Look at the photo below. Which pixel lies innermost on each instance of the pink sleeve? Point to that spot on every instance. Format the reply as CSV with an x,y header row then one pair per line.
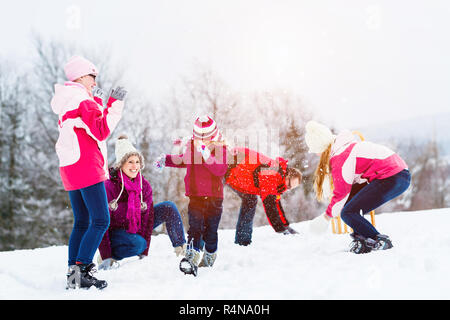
x,y
175,161
343,172
92,116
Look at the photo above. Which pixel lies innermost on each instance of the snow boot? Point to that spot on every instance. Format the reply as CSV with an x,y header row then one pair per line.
x,y
208,259
189,264
79,276
359,244
381,242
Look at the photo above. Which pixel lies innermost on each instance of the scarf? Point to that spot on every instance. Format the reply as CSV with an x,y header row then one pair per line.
x,y
134,190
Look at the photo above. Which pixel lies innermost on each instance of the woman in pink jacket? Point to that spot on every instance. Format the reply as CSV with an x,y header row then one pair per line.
x,y
362,176
83,127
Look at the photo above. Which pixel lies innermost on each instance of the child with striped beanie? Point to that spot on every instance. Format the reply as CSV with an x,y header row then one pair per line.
x,y
205,161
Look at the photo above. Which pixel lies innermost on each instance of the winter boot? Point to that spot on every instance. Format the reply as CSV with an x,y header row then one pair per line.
x,y
208,259
381,242
80,276
189,264
359,244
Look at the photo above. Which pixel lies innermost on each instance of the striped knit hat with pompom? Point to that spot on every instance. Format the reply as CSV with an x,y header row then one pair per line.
x,y
206,129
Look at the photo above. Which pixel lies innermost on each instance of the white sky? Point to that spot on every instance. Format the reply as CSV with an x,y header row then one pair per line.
x,y
355,62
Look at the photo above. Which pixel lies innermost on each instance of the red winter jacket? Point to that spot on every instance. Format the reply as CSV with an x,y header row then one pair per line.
x,y
254,173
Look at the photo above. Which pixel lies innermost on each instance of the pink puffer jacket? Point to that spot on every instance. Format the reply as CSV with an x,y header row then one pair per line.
x,y
353,161
83,128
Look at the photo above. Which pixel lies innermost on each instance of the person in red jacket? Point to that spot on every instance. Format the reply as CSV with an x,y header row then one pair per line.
x,y
253,174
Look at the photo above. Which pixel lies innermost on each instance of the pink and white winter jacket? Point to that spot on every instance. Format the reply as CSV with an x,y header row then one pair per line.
x,y
353,161
83,128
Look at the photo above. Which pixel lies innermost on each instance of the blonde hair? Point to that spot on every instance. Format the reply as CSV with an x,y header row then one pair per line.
x,y
322,172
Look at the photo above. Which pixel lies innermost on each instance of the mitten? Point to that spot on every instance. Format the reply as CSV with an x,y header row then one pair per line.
x,y
98,92
119,93
160,162
180,250
108,264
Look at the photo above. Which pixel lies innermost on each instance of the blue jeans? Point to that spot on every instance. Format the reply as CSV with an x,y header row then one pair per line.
x,y
167,212
244,225
371,197
91,220
124,244
204,218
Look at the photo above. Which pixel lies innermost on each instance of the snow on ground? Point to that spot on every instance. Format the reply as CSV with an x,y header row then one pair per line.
x,y
274,267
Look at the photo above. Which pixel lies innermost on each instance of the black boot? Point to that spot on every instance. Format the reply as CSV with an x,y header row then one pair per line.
x,y
80,276
381,242
359,244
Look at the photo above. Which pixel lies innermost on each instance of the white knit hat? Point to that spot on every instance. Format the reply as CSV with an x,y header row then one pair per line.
x,y
124,150
318,137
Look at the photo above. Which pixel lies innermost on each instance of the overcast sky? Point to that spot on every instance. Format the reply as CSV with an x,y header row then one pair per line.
x,y
354,62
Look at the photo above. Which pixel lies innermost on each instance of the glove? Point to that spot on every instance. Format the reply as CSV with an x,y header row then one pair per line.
x,y
119,93
319,225
98,92
180,250
204,150
108,264
291,230
160,162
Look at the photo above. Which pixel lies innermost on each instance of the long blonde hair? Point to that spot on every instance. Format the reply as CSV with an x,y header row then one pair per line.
x,y
322,173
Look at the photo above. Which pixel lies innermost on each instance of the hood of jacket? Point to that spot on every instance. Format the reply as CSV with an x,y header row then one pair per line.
x,y
68,97
342,141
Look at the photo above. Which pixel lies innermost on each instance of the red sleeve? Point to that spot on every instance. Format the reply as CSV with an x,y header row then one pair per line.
x,y
99,101
92,116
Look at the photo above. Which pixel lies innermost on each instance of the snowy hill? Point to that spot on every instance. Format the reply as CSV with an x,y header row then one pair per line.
x,y
274,267
420,129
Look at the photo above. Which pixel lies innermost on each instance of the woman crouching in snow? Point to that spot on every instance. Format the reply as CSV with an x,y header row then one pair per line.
x,y
364,175
81,148
133,216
